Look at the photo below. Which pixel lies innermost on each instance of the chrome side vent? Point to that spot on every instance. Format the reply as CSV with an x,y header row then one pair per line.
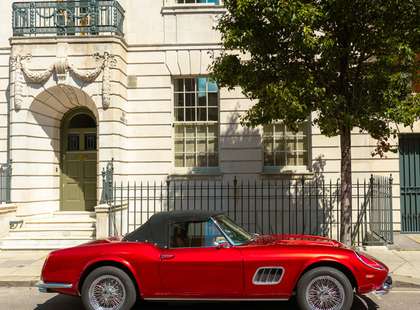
x,y
268,276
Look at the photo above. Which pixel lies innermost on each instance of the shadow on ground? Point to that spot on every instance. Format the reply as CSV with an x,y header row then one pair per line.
x,y
74,303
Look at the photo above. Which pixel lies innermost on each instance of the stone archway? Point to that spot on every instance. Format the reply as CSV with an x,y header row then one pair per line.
x,y
37,152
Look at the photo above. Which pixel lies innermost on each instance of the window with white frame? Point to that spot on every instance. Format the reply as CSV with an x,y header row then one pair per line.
x,y
196,113
284,147
216,2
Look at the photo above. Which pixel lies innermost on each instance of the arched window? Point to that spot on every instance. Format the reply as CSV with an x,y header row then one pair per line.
x,y
82,121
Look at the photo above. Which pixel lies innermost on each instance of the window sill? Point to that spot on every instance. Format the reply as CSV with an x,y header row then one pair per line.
x,y
286,170
180,173
193,9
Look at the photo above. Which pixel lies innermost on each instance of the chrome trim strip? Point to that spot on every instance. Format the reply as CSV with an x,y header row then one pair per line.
x,y
255,282
386,287
47,287
215,299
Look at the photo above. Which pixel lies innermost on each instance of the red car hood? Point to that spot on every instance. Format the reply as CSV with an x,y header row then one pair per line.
x,y
301,240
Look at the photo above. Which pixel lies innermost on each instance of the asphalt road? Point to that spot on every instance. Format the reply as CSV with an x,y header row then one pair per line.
x,y
29,298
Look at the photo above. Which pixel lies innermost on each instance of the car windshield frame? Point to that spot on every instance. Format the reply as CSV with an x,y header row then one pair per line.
x,y
235,234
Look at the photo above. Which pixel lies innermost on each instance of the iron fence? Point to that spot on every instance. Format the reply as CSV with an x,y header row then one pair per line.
x,y
265,206
5,175
80,17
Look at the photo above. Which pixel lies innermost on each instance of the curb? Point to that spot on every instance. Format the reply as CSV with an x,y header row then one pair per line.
x,y
32,282
19,283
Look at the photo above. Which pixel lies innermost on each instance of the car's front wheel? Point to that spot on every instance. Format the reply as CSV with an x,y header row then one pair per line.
x,y
108,288
324,288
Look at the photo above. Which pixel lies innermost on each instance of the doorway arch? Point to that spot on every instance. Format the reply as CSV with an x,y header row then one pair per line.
x,y
79,158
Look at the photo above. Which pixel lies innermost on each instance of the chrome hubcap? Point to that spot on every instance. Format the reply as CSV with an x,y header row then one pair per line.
x,y
107,293
325,293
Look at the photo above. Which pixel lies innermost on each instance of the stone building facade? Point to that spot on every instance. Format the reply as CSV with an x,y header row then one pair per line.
x,y
129,82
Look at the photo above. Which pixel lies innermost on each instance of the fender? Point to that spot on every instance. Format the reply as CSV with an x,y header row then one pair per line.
x,y
327,259
115,259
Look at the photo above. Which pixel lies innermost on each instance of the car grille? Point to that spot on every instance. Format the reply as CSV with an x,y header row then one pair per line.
x,y
268,276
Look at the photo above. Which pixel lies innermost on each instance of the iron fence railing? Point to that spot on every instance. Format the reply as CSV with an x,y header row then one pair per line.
x,y
265,206
5,175
82,17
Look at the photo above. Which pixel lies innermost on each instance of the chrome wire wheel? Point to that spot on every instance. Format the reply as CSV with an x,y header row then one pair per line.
x,y
325,293
107,292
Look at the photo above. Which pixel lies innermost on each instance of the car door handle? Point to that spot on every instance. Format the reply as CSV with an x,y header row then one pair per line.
x,y
167,256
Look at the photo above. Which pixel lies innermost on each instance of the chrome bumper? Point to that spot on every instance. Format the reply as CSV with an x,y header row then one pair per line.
x,y
386,287
50,287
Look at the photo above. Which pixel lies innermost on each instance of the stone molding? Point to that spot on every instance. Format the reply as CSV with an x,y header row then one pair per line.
x,y
62,67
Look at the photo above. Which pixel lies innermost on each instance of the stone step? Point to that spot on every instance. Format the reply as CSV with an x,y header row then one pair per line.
x,y
73,214
52,223
53,232
41,243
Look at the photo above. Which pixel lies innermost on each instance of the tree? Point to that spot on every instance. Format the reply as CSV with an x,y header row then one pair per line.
x,y
349,63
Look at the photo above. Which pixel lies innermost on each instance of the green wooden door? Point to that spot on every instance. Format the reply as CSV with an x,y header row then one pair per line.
x,y
79,164
410,183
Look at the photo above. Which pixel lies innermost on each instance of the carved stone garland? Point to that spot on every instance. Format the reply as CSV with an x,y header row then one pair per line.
x,y
61,68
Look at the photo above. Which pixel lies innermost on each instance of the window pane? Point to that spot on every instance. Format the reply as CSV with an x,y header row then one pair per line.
x,y
201,146
213,99
179,115
179,85
202,99
73,143
201,131
179,146
213,160
212,131
212,87
90,142
82,121
179,160
291,159
202,83
190,146
212,146
179,131
189,85
213,114
190,115
190,131
190,100
190,160
179,100
280,159
202,160
202,114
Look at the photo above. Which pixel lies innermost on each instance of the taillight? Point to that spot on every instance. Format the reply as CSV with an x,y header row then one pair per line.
x,y
365,259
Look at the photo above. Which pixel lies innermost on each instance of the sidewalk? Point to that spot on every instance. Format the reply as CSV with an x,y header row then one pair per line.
x,y
23,268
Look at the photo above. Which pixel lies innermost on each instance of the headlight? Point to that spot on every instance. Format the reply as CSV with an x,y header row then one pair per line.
x,y
368,261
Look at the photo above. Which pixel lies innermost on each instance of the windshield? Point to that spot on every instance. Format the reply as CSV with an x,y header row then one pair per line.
x,y
236,234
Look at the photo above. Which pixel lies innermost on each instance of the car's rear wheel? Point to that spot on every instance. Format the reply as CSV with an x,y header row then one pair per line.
x,y
324,288
108,288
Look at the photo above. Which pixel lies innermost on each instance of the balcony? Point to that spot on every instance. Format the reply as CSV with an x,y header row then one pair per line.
x,y
76,18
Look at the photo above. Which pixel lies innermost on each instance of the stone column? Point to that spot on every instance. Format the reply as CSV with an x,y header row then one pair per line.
x,y
102,221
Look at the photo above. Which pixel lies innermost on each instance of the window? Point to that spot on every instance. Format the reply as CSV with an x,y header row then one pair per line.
x,y
284,147
196,105
217,2
195,235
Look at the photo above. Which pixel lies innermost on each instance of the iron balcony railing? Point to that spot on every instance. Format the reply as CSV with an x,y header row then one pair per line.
x,y
83,17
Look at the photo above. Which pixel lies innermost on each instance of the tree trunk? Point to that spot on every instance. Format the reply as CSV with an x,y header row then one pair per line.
x,y
346,187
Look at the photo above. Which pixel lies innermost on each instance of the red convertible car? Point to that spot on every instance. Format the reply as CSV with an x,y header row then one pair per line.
x,y
206,256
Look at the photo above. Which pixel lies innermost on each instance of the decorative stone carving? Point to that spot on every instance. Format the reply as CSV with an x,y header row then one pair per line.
x,y
61,68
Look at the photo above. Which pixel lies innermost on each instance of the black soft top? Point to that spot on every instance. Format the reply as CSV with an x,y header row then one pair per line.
x,y
156,229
